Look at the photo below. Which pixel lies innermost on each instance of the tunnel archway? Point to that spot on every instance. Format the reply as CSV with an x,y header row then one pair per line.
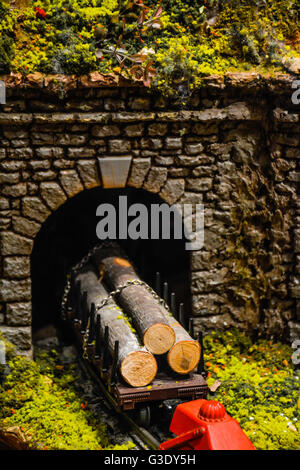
x,y
70,232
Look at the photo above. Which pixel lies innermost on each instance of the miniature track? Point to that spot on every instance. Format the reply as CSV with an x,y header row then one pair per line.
x,y
143,438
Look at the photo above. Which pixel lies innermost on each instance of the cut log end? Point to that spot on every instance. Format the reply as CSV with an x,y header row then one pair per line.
x,y
139,368
159,338
184,356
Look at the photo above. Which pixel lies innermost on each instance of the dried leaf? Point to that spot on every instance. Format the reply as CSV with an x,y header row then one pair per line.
x,y
141,18
215,386
148,74
147,50
158,12
139,58
137,72
157,24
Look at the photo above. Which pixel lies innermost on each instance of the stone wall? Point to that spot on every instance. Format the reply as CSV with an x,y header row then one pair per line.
x,y
236,149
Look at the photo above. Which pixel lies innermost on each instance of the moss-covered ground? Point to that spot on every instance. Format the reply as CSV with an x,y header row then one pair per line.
x,y
259,387
40,397
167,43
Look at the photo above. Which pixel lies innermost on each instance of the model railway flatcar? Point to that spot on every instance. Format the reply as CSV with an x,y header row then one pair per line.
x,y
93,314
135,375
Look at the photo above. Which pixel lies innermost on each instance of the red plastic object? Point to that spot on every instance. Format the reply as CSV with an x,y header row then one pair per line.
x,y
205,425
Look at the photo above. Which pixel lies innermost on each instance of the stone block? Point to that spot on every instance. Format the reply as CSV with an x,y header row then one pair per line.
x,y
20,153
43,175
14,291
140,104
18,313
34,208
20,336
132,117
70,182
157,129
156,178
9,178
70,139
25,227
106,131
16,267
138,172
172,190
151,143
199,184
49,152
173,143
119,146
52,194
14,244
194,148
4,203
81,152
134,130
88,171
196,160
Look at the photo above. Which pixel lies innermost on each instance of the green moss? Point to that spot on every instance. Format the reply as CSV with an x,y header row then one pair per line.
x,y
191,38
260,387
40,397
7,37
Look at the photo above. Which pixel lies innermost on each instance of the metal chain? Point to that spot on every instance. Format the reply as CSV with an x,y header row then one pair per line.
x,y
77,268
114,293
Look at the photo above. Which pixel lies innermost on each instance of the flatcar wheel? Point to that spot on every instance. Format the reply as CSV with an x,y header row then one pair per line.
x,y
144,416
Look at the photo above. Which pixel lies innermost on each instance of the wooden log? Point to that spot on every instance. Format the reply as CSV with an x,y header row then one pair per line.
x,y
147,314
137,366
184,355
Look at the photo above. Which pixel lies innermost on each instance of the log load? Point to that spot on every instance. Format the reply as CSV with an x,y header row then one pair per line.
x,y
150,317
147,314
184,355
137,366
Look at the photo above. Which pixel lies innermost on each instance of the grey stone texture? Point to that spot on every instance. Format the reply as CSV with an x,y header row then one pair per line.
x,y
236,155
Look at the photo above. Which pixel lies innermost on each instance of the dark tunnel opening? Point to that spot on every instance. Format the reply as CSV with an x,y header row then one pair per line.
x,y
69,233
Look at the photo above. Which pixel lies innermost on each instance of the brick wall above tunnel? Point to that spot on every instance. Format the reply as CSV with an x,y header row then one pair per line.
x,y
236,149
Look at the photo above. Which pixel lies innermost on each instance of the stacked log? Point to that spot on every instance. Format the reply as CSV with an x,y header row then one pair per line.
x,y
160,332
149,317
137,366
184,355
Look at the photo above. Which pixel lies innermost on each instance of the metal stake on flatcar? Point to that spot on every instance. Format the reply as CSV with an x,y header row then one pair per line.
x,y
181,314
165,292
84,308
92,325
158,283
105,349
173,305
114,367
78,313
98,338
201,368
